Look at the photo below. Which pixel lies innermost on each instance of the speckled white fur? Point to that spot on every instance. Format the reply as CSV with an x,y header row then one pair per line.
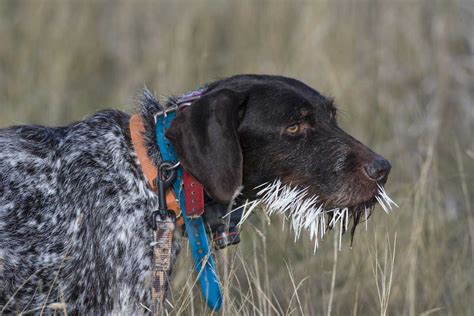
x,y
73,217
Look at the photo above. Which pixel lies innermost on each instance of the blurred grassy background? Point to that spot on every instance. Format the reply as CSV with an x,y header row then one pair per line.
x,y
402,73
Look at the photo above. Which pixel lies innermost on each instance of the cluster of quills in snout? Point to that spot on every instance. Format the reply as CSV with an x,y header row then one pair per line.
x,y
305,212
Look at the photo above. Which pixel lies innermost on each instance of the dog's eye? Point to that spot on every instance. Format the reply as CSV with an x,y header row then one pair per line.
x,y
293,129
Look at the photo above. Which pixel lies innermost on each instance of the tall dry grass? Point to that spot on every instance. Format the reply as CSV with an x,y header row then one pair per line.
x,y
402,73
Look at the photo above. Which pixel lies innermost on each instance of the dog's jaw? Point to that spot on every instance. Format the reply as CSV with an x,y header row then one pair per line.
x,y
306,212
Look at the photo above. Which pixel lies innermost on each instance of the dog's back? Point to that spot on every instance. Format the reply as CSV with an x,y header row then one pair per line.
x,y
55,244
27,194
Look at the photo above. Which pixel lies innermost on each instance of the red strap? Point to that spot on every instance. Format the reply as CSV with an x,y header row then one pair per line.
x,y
193,196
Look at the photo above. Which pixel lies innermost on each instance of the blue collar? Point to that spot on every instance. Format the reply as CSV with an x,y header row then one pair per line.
x,y
195,228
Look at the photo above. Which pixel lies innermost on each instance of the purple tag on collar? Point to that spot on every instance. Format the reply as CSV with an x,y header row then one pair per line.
x,y
190,96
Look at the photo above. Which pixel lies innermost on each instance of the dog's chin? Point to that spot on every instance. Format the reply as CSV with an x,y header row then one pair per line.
x,y
364,198
362,211
362,206
307,210
356,213
352,206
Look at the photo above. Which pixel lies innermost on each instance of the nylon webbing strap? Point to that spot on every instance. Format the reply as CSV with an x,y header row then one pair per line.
x,y
162,246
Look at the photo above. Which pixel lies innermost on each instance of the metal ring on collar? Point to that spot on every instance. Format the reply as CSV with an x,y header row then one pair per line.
x,y
168,166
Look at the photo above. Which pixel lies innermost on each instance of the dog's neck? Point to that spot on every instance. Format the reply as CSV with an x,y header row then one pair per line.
x,y
148,106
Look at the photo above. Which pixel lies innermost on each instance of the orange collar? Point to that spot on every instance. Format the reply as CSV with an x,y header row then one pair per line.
x,y
150,171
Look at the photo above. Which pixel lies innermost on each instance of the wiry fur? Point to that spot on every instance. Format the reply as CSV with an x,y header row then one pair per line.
x,y
73,207
148,106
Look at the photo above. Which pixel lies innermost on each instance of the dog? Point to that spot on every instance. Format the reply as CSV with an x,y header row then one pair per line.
x,y
74,201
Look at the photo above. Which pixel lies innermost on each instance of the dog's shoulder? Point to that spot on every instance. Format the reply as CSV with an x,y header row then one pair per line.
x,y
37,162
28,152
105,125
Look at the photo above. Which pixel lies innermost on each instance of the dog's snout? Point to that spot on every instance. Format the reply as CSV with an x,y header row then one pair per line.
x,y
378,168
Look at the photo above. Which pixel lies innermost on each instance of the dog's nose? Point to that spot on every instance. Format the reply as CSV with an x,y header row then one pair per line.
x,y
378,169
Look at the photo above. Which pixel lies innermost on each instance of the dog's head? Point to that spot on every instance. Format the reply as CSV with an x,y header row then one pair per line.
x,y
252,129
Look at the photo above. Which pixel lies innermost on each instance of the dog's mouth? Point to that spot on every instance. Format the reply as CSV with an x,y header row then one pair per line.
x,y
306,212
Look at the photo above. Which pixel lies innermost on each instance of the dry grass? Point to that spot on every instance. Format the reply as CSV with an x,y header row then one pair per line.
x,y
402,74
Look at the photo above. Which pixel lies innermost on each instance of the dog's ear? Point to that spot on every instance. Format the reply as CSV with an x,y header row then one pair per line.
x,y
205,138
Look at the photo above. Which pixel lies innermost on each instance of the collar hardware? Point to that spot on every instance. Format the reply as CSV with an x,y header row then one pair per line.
x,y
181,200
195,227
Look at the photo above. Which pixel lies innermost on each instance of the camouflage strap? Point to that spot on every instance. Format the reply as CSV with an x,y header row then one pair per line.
x,y
163,240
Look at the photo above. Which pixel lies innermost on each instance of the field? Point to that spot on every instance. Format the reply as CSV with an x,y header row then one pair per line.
x,y
401,72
